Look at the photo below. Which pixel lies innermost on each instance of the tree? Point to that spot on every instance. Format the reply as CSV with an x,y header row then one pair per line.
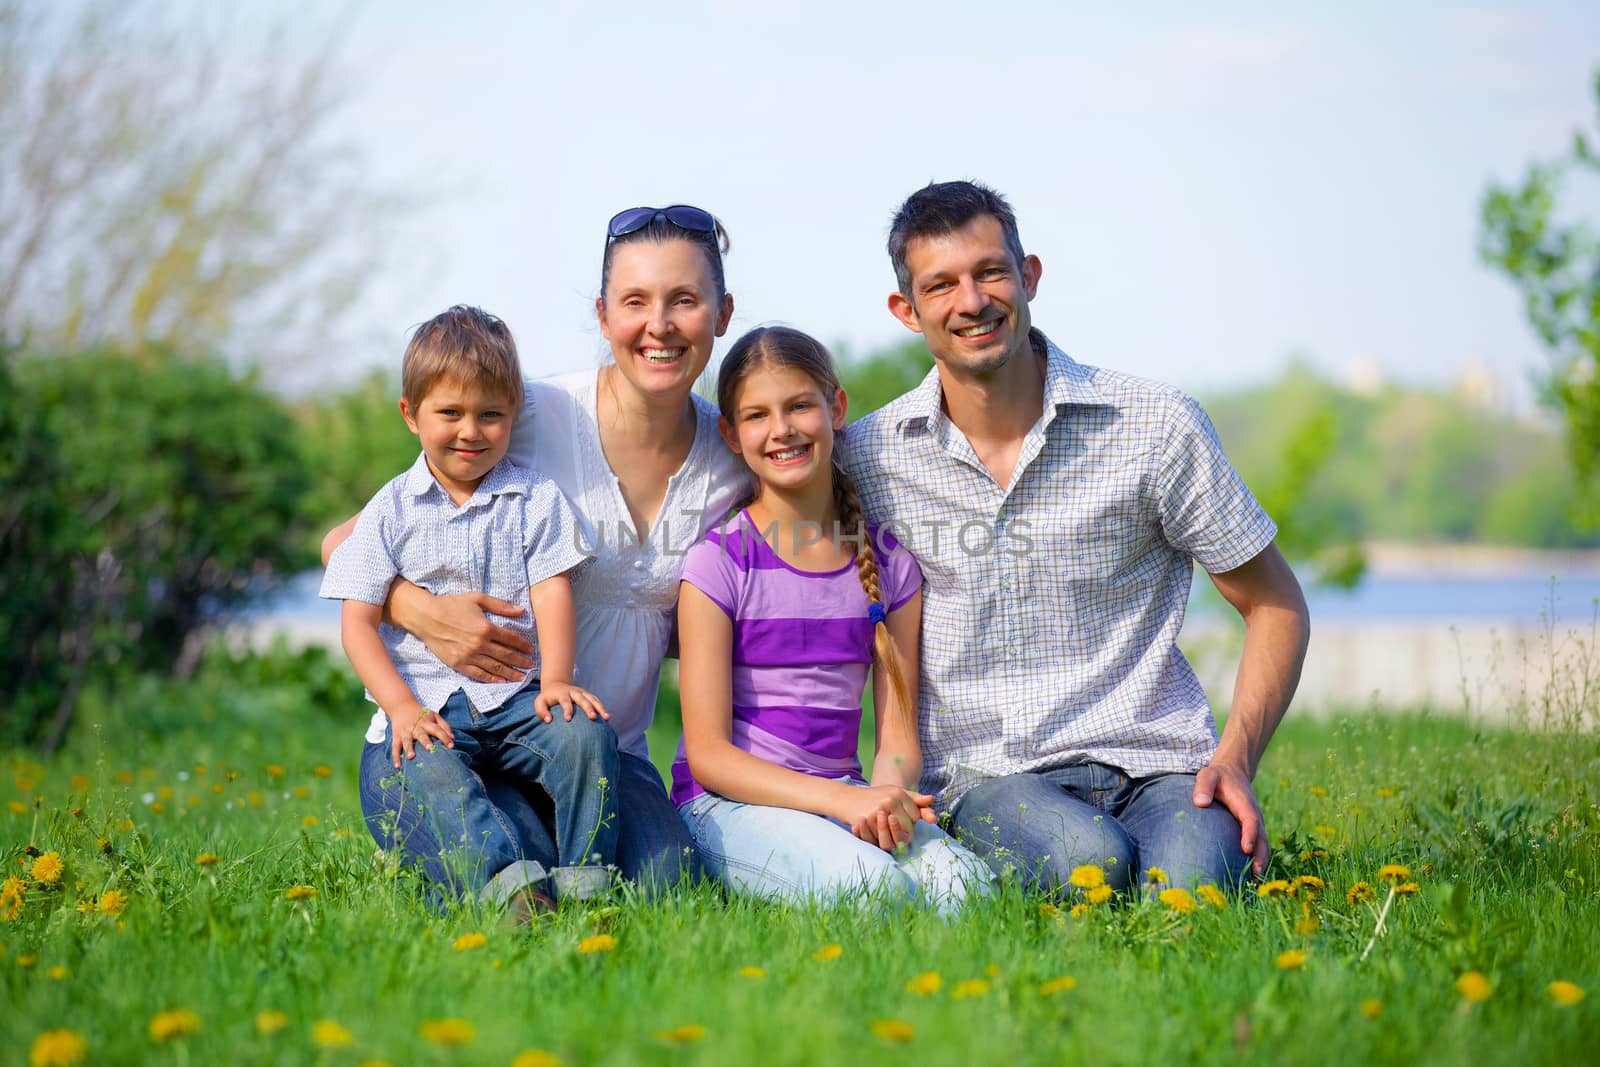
x,y
1556,265
176,184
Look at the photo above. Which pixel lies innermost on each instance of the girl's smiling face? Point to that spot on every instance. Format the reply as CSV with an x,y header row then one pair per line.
x,y
661,314
783,426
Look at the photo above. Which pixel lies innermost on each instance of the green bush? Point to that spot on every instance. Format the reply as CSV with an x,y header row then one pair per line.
x,y
147,494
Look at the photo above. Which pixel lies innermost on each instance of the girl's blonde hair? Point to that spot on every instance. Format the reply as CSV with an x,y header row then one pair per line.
x,y
782,347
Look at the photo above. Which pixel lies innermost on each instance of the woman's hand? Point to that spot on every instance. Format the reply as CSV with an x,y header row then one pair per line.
x,y
884,815
456,629
566,696
411,724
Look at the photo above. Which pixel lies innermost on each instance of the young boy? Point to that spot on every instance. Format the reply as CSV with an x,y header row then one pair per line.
x,y
466,519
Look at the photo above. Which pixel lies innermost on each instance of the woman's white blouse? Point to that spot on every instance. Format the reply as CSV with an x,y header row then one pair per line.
x,y
627,596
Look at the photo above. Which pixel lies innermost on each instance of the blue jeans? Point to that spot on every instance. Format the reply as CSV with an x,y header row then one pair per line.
x,y
1043,825
574,763
784,854
653,848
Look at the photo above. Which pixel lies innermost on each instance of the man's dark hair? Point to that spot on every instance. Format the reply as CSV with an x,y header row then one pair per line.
x,y
939,208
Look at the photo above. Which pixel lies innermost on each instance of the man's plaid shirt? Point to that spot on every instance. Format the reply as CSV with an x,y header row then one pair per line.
x,y
1051,607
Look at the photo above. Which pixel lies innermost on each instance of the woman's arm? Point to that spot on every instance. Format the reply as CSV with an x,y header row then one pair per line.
x,y
706,685
455,628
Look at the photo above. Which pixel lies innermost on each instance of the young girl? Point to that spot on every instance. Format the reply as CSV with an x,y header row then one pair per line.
x,y
781,611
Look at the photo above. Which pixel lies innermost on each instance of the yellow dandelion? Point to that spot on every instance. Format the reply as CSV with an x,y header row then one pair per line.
x,y
925,984
1155,876
125,777
1211,896
1050,911
1057,985
1178,900
254,799
1359,893
112,901
1371,1008
536,1057
1275,888
274,771
972,987
597,943
467,942
374,1063
217,788
27,960
1088,876
167,1025
57,1048
17,807
12,893
1080,909
447,1031
164,792
1564,993
1394,873
270,1022
322,770
300,892
126,825
1309,884
830,951
1385,792
1290,959
80,782
1323,830
1316,790
893,1030
1474,986
992,970
58,972
1307,924
752,972
25,785
328,1034
682,1035
1407,889
158,807
309,820
87,905
207,859
1098,895
47,869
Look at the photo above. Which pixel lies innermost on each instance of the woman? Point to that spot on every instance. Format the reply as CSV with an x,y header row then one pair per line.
x,y
639,456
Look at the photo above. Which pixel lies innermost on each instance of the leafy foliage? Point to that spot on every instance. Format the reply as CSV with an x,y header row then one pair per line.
x,y
152,493
1556,265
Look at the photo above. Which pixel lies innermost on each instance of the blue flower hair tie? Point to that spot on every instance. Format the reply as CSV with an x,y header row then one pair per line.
x,y
876,613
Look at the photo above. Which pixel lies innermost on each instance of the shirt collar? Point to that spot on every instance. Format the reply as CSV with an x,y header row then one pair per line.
x,y
420,481
1066,382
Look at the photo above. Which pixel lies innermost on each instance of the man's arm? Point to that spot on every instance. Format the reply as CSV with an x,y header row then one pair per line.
x,y
453,627
1277,627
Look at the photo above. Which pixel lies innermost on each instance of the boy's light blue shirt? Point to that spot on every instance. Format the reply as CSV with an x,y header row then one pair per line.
x,y
515,531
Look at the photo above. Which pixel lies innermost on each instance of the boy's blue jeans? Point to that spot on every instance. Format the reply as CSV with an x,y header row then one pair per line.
x,y
575,763
1041,826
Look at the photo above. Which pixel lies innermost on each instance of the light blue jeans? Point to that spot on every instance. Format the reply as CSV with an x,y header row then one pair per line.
x,y
1041,826
794,856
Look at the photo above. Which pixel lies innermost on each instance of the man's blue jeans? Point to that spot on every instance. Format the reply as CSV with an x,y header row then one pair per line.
x,y
1043,825
574,763
653,848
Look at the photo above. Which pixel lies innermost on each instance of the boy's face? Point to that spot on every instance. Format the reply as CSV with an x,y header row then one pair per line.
x,y
464,431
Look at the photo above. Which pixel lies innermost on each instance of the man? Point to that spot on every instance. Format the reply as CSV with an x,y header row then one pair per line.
x,y
1055,509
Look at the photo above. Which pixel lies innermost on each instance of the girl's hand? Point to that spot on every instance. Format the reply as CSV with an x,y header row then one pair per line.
x,y
883,815
413,723
567,697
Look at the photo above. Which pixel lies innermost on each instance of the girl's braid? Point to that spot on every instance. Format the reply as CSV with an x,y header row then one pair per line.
x,y
853,526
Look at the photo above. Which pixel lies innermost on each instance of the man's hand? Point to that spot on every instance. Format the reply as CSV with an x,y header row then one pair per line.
x,y
456,629
1230,786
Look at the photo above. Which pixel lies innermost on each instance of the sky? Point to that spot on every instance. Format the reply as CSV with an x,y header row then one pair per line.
x,y
1212,193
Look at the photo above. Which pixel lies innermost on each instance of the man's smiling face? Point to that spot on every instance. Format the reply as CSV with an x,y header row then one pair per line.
x,y
969,296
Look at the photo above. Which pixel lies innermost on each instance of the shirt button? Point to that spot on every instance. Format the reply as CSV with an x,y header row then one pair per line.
x,y
638,564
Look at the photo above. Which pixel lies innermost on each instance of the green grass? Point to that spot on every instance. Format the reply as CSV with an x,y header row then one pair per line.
x,y
1506,817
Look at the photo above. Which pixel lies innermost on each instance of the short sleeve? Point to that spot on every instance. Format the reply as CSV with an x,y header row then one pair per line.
x,y
711,568
1205,508
364,566
899,577
553,542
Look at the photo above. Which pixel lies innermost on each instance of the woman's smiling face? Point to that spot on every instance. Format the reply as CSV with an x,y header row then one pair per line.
x,y
661,313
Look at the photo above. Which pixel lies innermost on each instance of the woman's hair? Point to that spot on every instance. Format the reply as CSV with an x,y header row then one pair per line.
x,y
785,348
464,344
712,245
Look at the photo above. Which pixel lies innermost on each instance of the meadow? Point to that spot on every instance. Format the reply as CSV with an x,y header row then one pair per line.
x,y
189,880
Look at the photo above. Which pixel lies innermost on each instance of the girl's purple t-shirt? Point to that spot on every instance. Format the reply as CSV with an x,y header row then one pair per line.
x,y
802,647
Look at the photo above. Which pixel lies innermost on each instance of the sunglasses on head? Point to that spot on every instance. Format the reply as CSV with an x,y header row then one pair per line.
x,y
682,216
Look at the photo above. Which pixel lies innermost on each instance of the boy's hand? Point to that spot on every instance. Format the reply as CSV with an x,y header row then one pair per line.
x,y
413,723
566,696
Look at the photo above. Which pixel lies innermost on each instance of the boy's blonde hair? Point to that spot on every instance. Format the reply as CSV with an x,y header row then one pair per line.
x,y
464,344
